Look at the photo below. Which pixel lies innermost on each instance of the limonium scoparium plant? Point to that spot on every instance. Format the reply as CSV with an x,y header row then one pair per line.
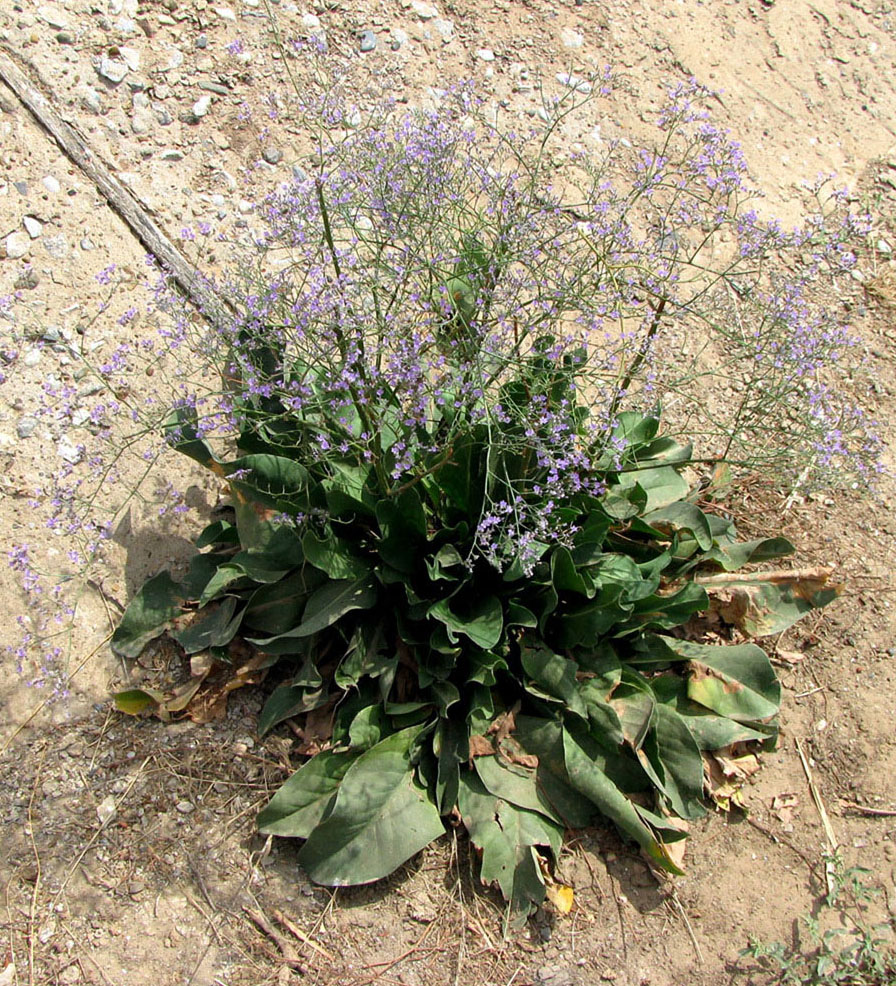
x,y
434,389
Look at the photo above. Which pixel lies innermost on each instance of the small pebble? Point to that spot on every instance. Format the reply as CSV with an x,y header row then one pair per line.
x,y
485,55
17,245
172,154
399,38
201,42
21,187
425,11
51,184
87,244
367,40
185,807
56,246
112,69
444,27
201,106
25,427
273,155
571,38
106,809
64,38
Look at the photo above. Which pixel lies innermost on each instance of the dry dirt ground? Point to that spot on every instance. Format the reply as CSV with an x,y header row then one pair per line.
x,y
129,854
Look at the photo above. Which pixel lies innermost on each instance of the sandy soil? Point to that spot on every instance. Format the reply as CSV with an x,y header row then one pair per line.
x,y
129,849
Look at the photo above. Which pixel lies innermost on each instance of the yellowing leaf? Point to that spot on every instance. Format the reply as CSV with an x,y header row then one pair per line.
x,y
561,896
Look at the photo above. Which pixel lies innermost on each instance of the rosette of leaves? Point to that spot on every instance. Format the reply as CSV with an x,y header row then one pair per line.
x,y
520,701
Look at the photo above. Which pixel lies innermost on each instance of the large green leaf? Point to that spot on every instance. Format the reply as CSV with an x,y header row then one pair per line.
x,y
683,517
587,777
334,556
663,485
482,620
331,602
380,818
710,731
301,802
510,783
543,738
277,608
148,615
507,835
555,677
737,681
676,762
213,626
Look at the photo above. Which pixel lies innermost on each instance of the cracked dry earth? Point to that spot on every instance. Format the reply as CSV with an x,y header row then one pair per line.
x,y
129,854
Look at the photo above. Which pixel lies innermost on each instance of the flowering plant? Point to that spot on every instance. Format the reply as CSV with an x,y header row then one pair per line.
x,y
458,528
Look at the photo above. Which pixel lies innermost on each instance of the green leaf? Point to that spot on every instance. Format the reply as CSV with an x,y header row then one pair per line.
x,y
507,835
298,806
482,621
133,701
554,675
663,485
565,576
584,625
512,783
277,608
710,731
380,818
402,522
735,555
677,762
213,626
270,479
180,431
331,602
287,701
544,739
736,681
148,615
334,556
451,746
585,776
683,517
368,727
218,532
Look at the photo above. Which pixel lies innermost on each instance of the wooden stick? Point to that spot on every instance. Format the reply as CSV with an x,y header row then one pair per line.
x,y
820,574
120,198
863,809
294,929
290,957
816,797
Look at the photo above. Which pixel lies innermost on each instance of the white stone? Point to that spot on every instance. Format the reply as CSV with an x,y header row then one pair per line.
x,y
485,54
56,246
444,27
106,809
571,38
425,11
574,82
311,22
175,60
54,16
225,13
883,246
201,106
51,184
131,58
17,245
32,227
112,69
